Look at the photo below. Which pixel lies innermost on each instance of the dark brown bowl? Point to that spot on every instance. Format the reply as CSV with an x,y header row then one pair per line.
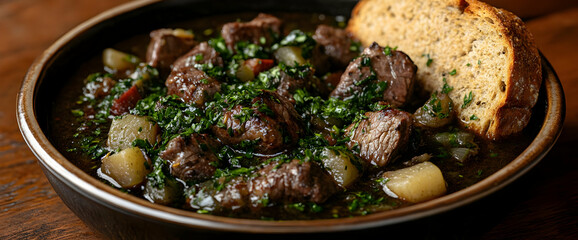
x,y
120,215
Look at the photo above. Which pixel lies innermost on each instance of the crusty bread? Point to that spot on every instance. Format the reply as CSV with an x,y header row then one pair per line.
x,y
473,46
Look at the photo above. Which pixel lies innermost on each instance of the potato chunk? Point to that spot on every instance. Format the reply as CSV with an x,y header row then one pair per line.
x,y
127,167
418,183
290,55
340,166
125,130
165,194
118,60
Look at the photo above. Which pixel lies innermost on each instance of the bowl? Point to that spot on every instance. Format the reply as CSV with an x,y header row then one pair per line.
x,y
120,215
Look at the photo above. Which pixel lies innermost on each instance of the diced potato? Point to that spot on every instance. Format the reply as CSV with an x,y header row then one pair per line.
x,y
127,167
118,60
165,194
250,68
289,55
417,183
125,130
340,166
245,73
182,33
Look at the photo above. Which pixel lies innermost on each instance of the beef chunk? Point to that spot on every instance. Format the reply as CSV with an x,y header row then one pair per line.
x,y
336,45
200,54
287,80
381,136
271,122
166,46
264,26
378,64
290,81
191,159
295,181
98,87
277,183
189,81
288,85
192,85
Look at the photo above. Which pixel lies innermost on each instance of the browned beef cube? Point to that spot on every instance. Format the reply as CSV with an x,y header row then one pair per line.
x,y
191,159
165,47
264,27
271,121
200,54
288,84
379,64
336,44
192,85
295,181
380,137
275,183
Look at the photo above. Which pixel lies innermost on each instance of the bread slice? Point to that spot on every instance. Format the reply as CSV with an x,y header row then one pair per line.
x,y
486,54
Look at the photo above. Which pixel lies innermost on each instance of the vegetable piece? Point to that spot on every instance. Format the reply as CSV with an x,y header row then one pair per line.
x,y
123,131
126,101
460,145
436,112
457,139
340,165
127,167
245,73
290,56
418,159
462,154
182,33
258,65
166,194
252,67
418,183
118,60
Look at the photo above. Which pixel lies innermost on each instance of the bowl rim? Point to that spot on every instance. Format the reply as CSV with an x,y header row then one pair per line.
x,y
54,162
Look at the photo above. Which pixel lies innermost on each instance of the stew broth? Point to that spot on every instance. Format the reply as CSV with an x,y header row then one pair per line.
x,y
363,197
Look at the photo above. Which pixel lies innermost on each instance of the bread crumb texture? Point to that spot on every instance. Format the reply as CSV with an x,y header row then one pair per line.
x,y
486,54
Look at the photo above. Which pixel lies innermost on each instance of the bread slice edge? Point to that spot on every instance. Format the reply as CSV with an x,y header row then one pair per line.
x,y
499,107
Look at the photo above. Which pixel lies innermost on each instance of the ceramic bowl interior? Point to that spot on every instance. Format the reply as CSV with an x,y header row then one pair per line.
x,y
117,214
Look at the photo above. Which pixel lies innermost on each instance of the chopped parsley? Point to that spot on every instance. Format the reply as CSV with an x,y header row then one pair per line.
x,y
468,98
361,202
446,88
387,50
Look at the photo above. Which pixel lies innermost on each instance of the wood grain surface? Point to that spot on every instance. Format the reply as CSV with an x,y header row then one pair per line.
x,y
543,204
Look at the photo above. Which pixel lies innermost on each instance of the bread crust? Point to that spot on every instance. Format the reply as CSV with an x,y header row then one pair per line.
x,y
524,83
515,95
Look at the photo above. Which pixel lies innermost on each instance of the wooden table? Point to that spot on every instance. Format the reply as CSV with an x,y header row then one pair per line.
x,y
543,204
